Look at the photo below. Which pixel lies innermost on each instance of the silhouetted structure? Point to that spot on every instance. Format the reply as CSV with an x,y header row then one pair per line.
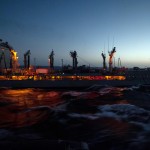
x,y
27,59
111,54
104,60
51,60
13,59
74,60
119,63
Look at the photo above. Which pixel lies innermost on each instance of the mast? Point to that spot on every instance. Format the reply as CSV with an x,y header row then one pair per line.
x,y
119,62
27,59
104,60
111,54
74,60
62,64
51,60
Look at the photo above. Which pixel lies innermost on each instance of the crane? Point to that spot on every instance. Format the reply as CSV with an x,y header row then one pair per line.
x,y
27,59
104,60
13,56
74,59
111,54
51,59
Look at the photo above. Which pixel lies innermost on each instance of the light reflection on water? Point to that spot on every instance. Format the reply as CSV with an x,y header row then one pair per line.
x,y
18,106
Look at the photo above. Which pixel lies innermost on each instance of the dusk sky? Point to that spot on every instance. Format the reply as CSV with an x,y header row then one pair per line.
x,y
87,26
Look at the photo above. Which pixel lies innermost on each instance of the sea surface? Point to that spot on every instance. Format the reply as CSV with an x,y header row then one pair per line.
x,y
96,118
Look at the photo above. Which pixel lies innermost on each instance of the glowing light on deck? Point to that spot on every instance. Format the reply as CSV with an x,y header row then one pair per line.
x,y
49,77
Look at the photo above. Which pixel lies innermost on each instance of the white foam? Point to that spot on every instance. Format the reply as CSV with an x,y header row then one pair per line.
x,y
134,87
86,116
73,93
126,112
126,109
37,108
96,86
107,90
130,113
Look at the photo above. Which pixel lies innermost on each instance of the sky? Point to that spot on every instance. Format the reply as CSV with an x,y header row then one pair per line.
x,y
86,26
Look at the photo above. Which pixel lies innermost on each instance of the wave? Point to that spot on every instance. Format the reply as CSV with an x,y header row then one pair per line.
x,y
126,112
103,117
25,117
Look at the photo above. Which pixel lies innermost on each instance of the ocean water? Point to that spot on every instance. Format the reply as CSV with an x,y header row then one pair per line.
x,y
99,117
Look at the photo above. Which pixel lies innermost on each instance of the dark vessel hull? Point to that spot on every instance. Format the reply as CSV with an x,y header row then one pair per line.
x,y
130,78
66,84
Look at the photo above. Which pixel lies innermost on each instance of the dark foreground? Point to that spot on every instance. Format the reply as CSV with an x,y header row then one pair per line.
x,y
100,117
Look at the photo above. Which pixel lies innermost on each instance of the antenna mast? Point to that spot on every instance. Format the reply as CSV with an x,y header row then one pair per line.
x,y
119,62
